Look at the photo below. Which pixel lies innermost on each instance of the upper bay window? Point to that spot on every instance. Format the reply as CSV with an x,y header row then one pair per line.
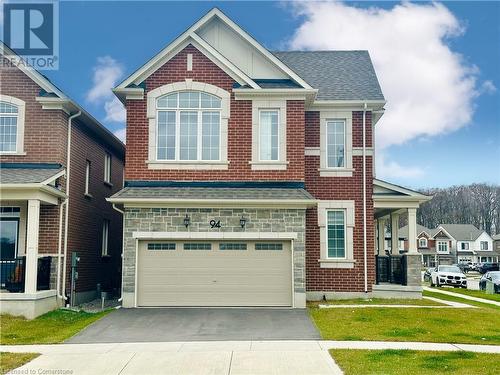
x,y
11,125
188,126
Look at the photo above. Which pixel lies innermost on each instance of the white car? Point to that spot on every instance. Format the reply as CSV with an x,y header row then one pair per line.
x,y
448,275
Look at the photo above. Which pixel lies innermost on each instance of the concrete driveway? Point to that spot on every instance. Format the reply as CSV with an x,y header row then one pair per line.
x,y
167,325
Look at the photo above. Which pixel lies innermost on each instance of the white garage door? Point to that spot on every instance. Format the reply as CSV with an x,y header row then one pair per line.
x,y
188,273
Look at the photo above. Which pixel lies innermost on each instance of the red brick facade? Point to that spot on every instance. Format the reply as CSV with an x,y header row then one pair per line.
x,y
303,130
239,130
45,141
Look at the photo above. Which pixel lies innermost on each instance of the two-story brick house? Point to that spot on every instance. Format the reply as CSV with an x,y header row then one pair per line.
x,y
58,164
249,176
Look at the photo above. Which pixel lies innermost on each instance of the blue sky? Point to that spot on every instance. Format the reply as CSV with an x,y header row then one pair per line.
x,y
129,33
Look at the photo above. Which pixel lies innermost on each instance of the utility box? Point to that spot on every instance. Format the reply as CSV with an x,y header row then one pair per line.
x,y
490,287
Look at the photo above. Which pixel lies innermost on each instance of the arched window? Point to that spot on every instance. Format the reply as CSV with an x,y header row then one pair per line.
x,y
11,125
188,126
9,114
422,242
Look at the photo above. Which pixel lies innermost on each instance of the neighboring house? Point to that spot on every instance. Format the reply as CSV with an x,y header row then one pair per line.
x,y
244,174
58,164
453,243
496,242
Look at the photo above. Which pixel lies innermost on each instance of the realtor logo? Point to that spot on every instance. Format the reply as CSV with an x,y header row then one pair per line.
x,y
30,29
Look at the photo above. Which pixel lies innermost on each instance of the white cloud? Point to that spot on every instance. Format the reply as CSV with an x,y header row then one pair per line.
x,y
488,87
107,72
115,111
429,89
121,134
392,169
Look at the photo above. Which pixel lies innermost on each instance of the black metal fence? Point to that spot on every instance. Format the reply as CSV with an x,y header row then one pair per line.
x,y
391,269
13,274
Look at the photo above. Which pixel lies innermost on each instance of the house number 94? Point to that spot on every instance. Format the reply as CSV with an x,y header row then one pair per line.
x,y
214,223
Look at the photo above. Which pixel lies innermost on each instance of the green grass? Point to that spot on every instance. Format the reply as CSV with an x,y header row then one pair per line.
x,y
53,327
447,297
475,293
472,326
387,362
376,301
10,361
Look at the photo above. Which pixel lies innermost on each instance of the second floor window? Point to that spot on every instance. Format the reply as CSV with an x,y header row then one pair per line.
x,y
188,126
335,143
484,245
107,167
269,135
422,242
464,246
87,177
8,127
442,246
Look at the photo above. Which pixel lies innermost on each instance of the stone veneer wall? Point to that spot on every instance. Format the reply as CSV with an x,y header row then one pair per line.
x,y
172,220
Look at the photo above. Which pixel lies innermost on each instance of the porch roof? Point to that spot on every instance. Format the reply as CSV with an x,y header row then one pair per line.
x,y
214,195
29,173
390,196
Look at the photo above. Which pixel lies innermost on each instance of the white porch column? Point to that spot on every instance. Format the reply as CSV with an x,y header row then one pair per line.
x,y
395,234
412,231
32,245
381,236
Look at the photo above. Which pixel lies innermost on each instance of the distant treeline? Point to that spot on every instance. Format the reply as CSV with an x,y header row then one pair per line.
x,y
477,204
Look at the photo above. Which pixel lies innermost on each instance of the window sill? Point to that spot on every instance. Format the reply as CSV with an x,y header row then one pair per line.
x,y
335,172
336,263
13,153
194,165
88,196
268,165
108,184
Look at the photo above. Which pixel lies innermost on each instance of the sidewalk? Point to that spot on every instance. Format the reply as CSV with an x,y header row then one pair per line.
x,y
470,298
213,357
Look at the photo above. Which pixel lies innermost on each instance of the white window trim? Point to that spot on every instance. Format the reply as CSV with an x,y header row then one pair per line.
x,y
105,238
323,208
188,85
281,163
481,246
422,239
462,244
88,167
324,170
107,168
447,247
21,110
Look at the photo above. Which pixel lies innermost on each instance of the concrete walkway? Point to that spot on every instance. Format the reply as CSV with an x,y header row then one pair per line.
x,y
444,305
470,298
211,357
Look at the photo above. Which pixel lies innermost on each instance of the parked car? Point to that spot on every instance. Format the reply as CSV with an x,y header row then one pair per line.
x,y
486,267
448,275
474,266
464,267
427,274
494,277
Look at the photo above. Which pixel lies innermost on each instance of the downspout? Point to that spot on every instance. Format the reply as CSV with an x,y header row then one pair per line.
x,y
365,260
59,250
66,216
123,246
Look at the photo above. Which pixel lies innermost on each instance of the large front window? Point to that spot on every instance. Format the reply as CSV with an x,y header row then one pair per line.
x,y
335,143
336,233
8,127
442,246
9,232
188,126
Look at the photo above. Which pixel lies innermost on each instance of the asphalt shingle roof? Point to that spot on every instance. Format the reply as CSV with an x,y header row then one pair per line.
x,y
403,231
338,75
213,193
26,175
462,232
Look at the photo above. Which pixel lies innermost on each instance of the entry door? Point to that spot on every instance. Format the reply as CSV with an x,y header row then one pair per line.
x,y
235,273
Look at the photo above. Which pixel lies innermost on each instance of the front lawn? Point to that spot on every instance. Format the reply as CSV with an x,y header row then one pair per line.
x,y
10,361
472,326
53,327
377,301
475,293
387,362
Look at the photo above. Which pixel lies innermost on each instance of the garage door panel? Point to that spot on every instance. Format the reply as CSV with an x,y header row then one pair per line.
x,y
214,277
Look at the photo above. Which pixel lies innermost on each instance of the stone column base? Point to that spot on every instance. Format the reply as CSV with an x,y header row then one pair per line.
x,y
413,269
